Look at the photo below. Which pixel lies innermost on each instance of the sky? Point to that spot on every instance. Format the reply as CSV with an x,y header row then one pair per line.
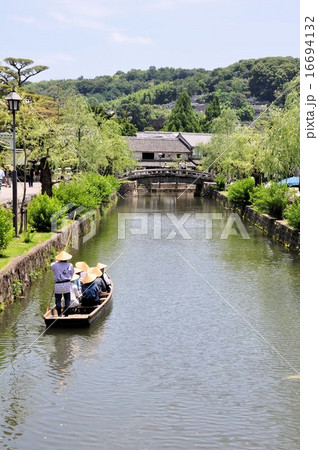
x,y
92,38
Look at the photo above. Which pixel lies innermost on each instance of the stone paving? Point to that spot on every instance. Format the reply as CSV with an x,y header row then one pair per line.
x,y
6,192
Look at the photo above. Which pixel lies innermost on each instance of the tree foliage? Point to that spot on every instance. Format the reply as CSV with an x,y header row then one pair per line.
x,y
183,117
69,134
143,95
268,76
17,71
268,149
271,200
6,228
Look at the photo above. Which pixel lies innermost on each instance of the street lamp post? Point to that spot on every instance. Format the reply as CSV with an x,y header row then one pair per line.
x,y
14,100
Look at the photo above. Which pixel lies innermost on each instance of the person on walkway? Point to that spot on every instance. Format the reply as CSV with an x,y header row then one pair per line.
x,y
2,177
8,175
31,176
90,290
105,276
63,273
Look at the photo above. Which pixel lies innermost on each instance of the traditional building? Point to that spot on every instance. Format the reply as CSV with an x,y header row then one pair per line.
x,y
157,149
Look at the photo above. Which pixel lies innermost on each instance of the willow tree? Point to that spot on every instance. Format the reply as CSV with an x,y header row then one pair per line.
x,y
97,142
223,128
282,152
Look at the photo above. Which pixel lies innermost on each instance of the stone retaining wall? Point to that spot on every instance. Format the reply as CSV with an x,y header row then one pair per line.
x,y
17,276
277,229
128,189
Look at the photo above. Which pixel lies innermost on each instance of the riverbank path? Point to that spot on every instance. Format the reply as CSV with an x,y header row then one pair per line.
x,y
6,192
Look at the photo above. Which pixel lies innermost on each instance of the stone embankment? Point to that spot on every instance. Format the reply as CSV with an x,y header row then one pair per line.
x,y
128,189
17,276
278,230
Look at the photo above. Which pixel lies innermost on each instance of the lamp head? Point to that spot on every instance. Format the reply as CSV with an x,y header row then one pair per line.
x,y
14,101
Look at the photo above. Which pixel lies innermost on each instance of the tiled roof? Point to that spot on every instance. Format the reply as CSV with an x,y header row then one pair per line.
x,y
155,135
156,145
195,139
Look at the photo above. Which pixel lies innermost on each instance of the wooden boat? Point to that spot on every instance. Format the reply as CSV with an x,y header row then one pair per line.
x,y
81,316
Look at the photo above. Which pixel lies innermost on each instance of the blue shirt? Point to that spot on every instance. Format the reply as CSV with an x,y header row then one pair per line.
x,y
90,291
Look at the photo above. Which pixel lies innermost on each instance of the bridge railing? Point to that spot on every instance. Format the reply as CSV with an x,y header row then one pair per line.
x,y
166,171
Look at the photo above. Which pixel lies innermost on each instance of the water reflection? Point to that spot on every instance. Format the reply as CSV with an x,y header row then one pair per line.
x,y
67,346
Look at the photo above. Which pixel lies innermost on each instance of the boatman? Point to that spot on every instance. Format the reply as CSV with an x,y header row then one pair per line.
x,y
63,273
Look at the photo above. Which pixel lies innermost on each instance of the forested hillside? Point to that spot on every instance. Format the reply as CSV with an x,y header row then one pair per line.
x,y
146,97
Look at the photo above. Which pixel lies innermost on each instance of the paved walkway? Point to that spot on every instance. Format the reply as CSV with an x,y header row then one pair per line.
x,y
6,192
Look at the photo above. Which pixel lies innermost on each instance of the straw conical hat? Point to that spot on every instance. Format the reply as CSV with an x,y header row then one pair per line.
x,y
77,270
63,256
75,277
101,266
96,271
82,265
89,277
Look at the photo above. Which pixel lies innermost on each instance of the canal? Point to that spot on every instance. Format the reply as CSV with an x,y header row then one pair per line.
x,y
199,349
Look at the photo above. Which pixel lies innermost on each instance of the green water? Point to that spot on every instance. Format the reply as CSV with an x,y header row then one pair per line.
x,y
196,351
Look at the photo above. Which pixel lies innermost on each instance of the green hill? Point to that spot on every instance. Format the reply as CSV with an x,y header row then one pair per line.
x,y
151,94
256,77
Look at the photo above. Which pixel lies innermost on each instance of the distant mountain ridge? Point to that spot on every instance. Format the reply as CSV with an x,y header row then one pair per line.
x,y
261,78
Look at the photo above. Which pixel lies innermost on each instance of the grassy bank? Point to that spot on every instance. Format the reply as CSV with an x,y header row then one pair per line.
x,y
17,247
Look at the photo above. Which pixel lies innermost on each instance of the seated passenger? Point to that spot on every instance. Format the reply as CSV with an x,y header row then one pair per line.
x,y
75,291
82,268
99,281
104,276
90,290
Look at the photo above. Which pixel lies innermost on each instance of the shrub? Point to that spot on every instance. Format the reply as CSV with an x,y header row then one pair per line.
x,y
271,200
239,191
87,190
6,228
16,288
41,210
28,235
292,214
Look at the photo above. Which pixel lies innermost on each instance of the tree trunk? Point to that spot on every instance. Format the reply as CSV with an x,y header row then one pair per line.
x,y
258,178
46,177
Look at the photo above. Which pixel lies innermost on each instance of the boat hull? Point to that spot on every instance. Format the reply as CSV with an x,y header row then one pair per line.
x,y
84,317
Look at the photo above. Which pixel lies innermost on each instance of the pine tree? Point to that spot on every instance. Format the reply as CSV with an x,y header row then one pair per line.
x,y
183,117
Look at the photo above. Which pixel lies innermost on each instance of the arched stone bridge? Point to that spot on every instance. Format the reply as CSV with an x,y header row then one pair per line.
x,y
169,175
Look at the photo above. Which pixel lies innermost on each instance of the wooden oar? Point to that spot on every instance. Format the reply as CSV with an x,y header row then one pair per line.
x,y
67,244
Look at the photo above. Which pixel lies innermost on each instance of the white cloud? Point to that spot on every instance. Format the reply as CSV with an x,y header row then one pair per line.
x,y
77,21
81,13
124,39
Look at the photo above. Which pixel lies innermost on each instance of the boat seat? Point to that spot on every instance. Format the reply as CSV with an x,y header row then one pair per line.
x,y
83,309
